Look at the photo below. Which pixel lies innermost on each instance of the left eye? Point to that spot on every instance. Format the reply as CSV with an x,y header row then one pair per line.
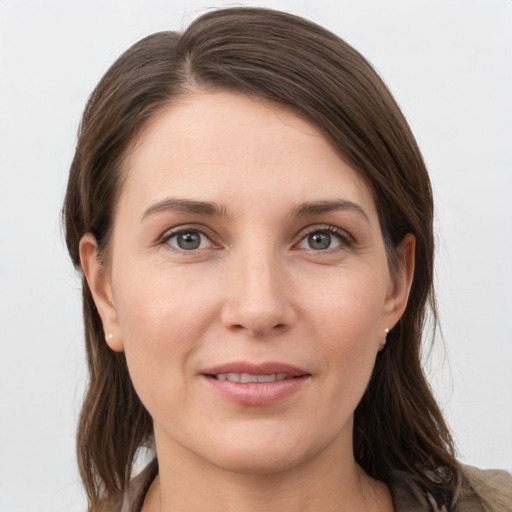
x,y
322,240
188,240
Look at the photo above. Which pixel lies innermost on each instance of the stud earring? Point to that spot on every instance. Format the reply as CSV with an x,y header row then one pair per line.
x,y
109,336
381,348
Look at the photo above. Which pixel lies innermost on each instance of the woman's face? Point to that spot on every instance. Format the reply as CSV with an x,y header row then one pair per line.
x,y
248,284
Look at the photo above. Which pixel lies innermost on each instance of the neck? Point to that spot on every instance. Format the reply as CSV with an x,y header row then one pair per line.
x,y
326,482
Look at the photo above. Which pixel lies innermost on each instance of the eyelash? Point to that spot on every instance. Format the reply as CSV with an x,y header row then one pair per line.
x,y
346,241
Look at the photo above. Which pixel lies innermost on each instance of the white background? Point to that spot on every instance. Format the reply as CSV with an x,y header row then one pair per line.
x,y
448,62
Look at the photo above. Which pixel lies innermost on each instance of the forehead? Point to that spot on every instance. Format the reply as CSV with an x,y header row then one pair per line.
x,y
223,145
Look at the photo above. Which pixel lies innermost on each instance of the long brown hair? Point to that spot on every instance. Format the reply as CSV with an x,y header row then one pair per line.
x,y
398,425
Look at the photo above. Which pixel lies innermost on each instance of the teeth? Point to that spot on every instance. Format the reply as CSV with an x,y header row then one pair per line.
x,y
272,378
248,377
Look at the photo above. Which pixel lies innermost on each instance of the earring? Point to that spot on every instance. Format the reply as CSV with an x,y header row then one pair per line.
x,y
109,337
386,330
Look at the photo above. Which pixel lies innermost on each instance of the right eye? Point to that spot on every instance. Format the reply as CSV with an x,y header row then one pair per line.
x,y
188,240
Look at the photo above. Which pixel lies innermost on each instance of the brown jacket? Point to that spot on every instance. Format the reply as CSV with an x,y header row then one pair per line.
x,y
492,493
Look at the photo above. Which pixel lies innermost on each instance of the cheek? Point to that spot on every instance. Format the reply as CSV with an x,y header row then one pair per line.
x,y
161,305
347,323
349,307
162,319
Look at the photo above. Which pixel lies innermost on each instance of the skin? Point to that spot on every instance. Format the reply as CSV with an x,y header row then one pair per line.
x,y
257,289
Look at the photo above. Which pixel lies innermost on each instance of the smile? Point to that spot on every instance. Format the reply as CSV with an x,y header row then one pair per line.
x,y
250,384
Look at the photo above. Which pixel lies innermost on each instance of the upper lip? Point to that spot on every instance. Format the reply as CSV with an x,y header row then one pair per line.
x,y
267,368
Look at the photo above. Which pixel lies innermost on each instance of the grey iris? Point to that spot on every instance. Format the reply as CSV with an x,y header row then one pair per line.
x,y
188,241
319,241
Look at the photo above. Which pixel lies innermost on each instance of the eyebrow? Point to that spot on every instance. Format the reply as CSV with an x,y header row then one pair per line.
x,y
210,209
319,207
185,206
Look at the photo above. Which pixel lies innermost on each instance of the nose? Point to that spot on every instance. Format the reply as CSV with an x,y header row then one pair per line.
x,y
258,297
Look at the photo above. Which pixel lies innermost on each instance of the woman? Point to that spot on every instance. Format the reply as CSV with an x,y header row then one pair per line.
x,y
253,219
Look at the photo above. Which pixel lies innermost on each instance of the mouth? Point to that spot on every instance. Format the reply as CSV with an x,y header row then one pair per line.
x,y
245,372
256,384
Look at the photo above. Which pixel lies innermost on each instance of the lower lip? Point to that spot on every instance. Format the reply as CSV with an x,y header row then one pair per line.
x,y
257,393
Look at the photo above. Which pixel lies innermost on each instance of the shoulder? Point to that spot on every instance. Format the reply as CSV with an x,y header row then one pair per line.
x,y
409,495
481,491
485,491
133,497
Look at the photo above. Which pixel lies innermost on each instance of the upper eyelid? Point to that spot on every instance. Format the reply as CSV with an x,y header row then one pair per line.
x,y
324,227
170,232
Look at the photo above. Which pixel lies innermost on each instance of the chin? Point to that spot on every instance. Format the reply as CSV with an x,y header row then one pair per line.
x,y
261,463
260,455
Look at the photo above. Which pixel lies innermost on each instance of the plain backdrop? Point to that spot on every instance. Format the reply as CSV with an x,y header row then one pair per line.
x,y
448,62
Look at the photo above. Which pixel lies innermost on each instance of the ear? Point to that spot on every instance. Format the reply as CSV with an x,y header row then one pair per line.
x,y
100,285
396,300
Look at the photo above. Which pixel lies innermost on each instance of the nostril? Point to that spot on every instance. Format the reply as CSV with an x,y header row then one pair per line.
x,y
257,329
